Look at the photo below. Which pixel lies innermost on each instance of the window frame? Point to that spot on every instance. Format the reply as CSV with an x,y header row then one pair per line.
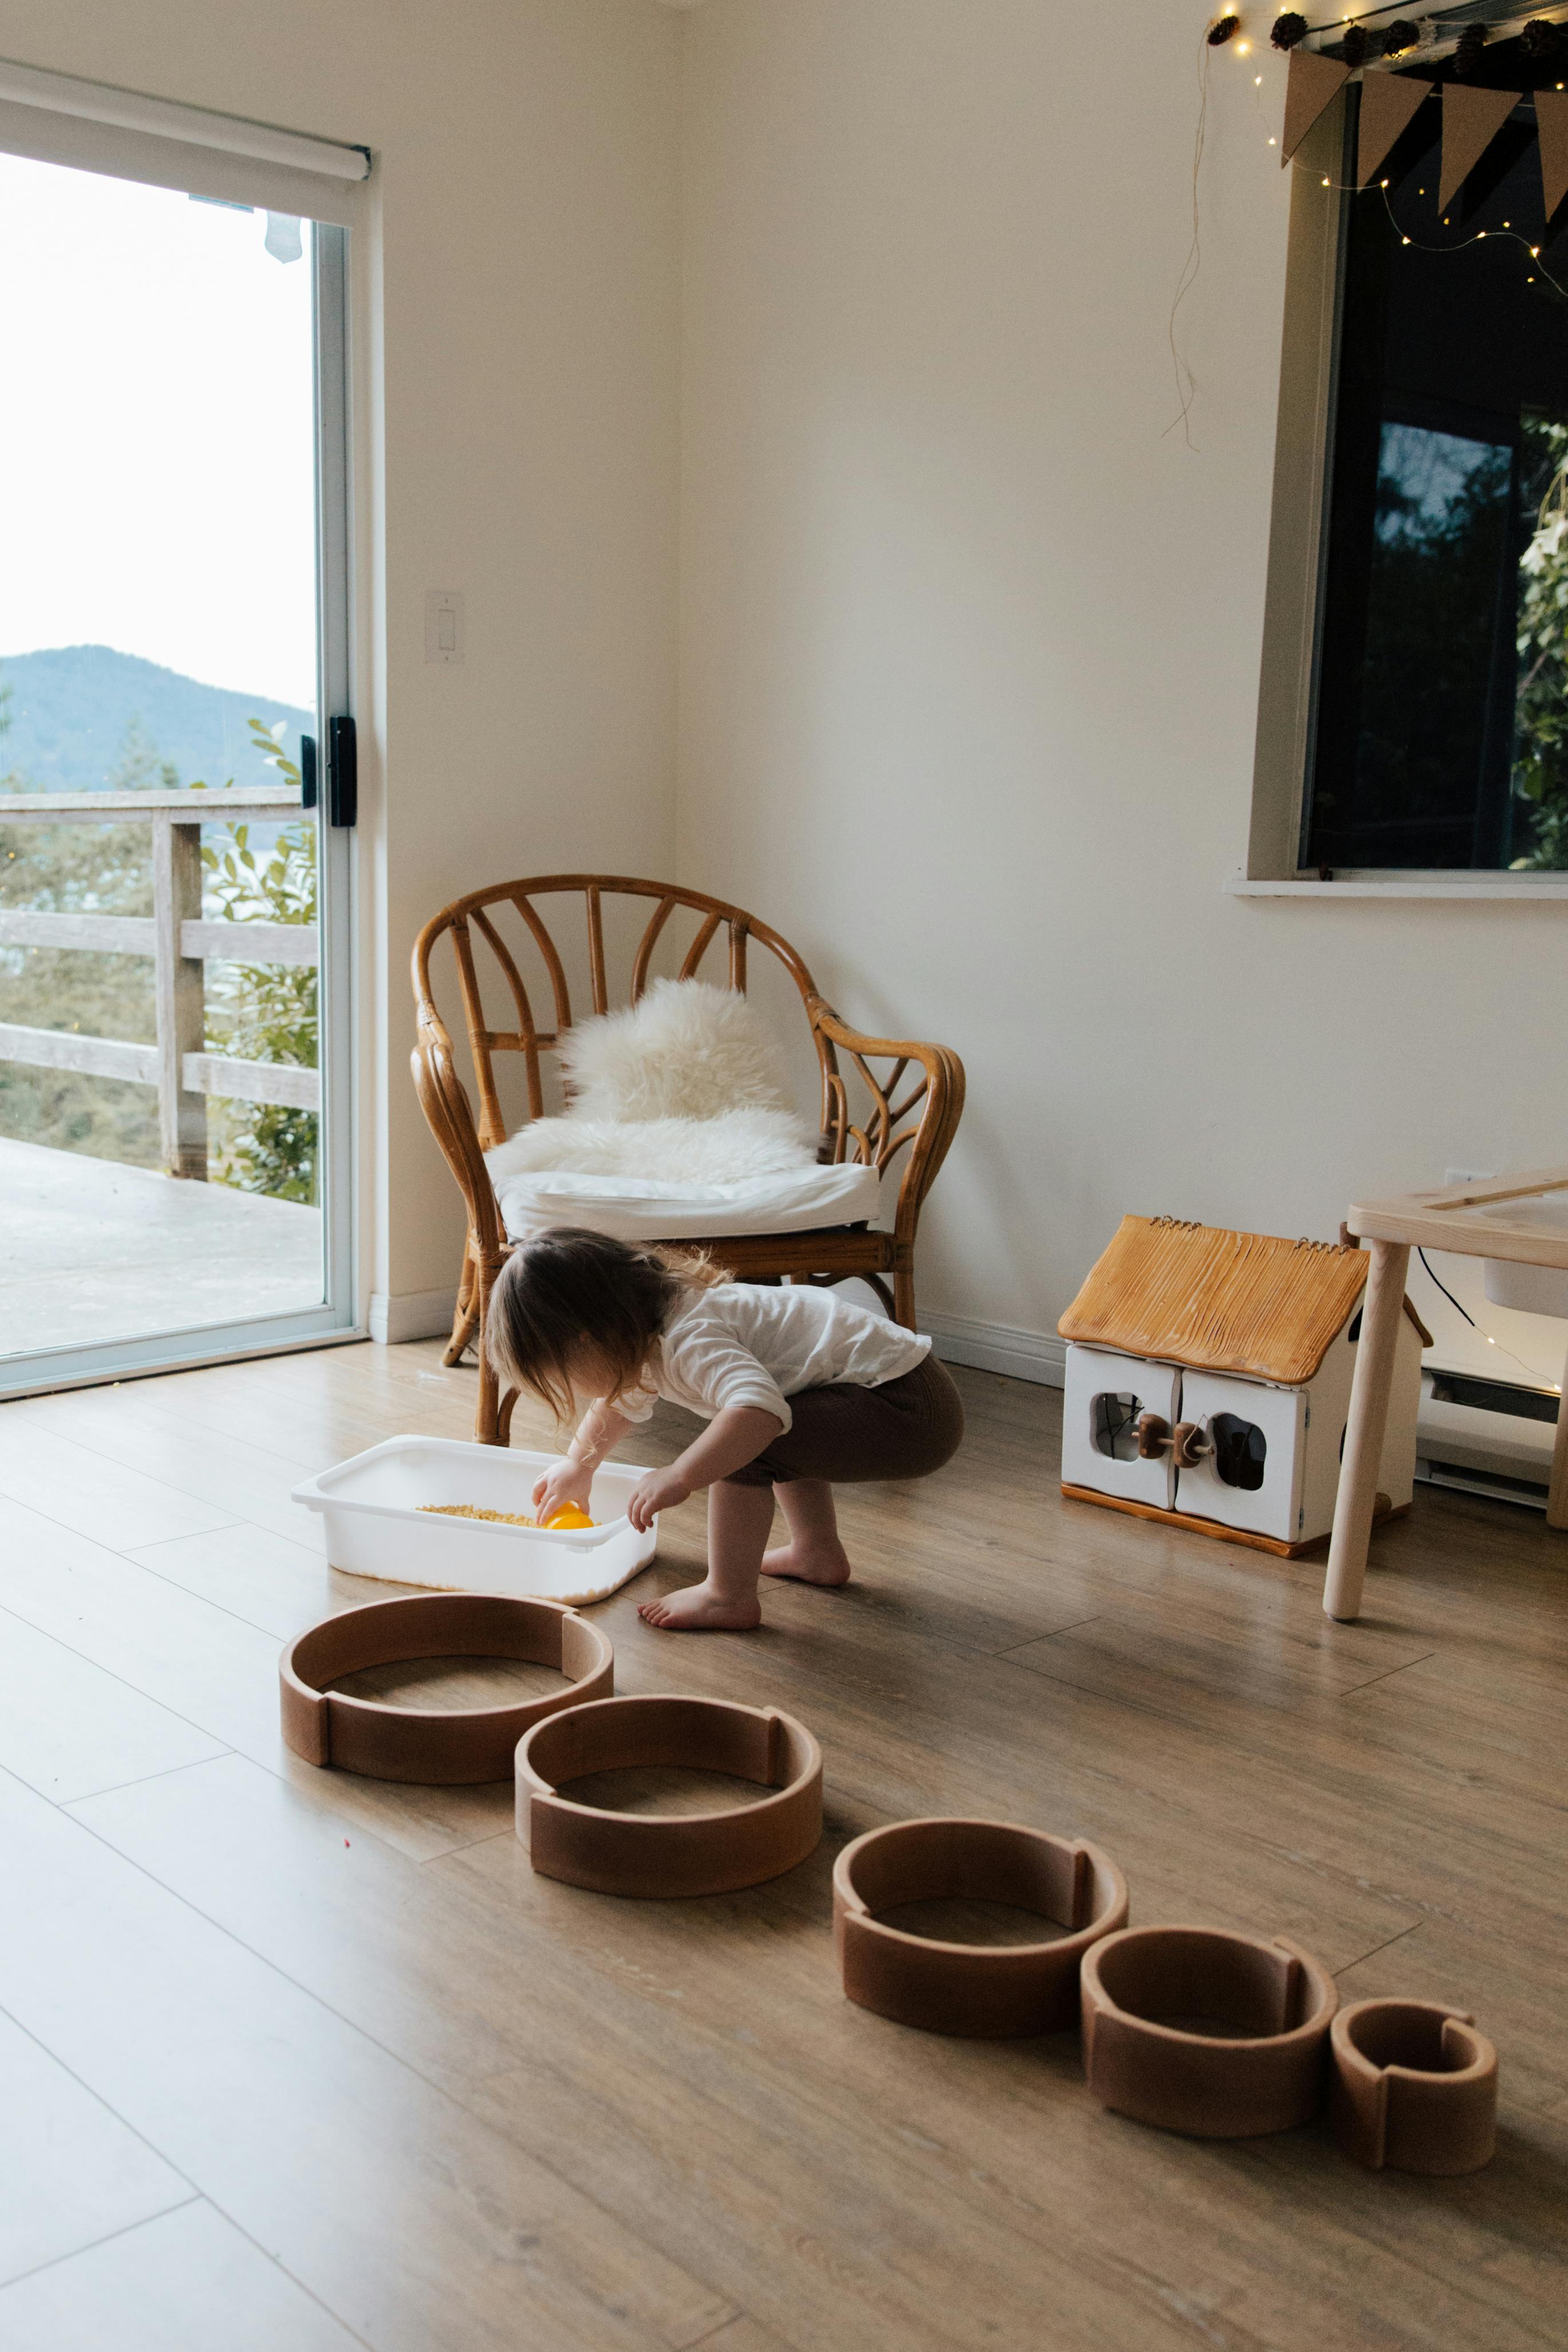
x,y
338,1316
1317,241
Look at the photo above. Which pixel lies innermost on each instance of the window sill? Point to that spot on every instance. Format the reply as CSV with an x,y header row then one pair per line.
x,y
1431,886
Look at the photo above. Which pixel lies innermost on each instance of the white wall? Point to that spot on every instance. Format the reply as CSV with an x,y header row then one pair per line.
x,y
516,317
971,640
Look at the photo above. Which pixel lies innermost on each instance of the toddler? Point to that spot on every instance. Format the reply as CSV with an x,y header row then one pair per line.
x,y
800,1389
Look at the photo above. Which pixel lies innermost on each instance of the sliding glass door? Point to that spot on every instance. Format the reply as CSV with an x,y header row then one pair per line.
x,y
176,779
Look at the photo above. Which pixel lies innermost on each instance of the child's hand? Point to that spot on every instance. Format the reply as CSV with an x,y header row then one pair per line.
x,y
564,1481
659,1491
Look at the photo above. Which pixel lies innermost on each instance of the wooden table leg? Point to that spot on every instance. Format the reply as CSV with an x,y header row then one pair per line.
x,y
1381,1312
1557,1492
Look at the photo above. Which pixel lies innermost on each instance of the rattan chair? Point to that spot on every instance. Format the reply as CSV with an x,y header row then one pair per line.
x,y
924,1118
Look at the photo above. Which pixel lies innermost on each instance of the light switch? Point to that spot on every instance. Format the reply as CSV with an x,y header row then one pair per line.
x,y
444,627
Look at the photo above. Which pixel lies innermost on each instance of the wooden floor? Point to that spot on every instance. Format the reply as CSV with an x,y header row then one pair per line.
x,y
291,2060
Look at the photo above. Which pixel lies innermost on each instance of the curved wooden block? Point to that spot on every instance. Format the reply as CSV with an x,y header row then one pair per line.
x,y
1414,2087
688,1854
1144,1989
433,1746
988,1991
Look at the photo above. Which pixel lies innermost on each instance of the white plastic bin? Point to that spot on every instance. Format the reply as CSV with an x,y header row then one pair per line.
x,y
375,1526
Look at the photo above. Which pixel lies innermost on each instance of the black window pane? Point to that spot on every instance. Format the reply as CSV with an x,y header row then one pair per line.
x,y
1440,736
1240,1451
1113,1426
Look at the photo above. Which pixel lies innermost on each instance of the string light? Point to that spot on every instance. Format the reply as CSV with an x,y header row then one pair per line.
x,y
1346,189
1539,1379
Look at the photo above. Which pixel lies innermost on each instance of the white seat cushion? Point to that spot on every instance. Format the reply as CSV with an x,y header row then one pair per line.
x,y
640,1208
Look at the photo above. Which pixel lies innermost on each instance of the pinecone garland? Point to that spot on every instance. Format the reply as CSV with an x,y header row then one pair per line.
x,y
1289,29
1468,55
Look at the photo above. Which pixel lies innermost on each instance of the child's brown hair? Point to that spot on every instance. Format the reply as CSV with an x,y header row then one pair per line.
x,y
573,1288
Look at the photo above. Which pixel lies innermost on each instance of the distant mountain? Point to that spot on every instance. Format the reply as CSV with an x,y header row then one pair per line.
x,y
85,718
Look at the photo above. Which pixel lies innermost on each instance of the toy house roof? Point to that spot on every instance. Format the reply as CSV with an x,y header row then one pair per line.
x,y
1220,1302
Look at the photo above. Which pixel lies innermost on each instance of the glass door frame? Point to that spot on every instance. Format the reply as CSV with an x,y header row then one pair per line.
x,y
336,1319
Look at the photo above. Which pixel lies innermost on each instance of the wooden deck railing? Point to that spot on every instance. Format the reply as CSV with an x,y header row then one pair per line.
x,y
180,944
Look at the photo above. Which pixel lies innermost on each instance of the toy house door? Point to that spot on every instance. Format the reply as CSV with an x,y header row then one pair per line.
x,y
1251,1475
1105,1397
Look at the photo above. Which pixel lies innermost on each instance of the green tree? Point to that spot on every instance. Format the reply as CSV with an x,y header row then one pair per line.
x,y
1541,709
139,768
264,1012
255,1012
70,869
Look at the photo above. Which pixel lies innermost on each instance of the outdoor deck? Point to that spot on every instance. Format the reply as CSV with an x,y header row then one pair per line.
x,y
92,1250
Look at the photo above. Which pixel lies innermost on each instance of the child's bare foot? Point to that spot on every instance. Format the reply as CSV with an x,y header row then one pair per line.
x,y
698,1609
808,1563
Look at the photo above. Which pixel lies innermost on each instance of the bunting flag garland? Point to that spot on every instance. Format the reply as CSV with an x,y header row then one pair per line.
x,y
1551,128
1471,121
1388,104
1313,85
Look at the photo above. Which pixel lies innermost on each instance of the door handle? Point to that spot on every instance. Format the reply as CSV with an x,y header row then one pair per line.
x,y
309,793
343,773
1189,1445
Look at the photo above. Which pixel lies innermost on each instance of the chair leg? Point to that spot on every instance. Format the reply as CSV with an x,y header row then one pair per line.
x,y
487,1415
1557,1494
904,1300
492,1417
1383,1312
465,1320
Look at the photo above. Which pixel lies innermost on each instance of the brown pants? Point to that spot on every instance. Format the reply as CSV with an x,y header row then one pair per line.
x,y
904,1429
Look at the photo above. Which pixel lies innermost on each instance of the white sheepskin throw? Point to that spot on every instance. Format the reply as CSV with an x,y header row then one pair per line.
x,y
687,1051
685,1087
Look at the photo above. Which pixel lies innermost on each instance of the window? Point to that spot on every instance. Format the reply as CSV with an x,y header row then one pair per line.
x,y
1240,1451
1113,1425
1419,570
175,1039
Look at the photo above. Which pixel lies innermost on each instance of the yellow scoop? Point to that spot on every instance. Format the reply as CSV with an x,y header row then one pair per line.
x,y
568,1516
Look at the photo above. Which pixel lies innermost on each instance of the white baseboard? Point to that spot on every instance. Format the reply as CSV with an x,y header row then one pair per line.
x,y
999,1347
411,1314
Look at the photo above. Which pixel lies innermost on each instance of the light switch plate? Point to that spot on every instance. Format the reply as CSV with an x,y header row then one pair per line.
x,y
444,629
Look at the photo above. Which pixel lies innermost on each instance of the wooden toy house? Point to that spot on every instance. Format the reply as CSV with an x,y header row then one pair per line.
x,y
1208,1380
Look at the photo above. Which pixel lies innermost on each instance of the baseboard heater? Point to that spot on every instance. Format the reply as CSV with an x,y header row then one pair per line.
x,y
1486,1437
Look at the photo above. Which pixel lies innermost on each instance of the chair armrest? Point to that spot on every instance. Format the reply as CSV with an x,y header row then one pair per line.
x,y
444,1100
936,1094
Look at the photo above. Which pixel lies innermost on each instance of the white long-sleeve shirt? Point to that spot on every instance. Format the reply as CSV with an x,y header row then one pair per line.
x,y
746,1344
